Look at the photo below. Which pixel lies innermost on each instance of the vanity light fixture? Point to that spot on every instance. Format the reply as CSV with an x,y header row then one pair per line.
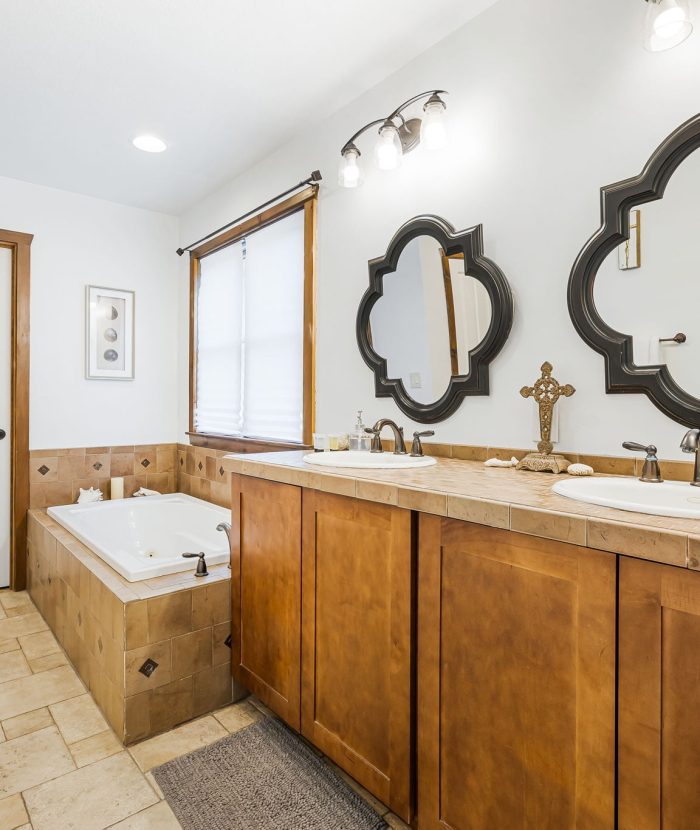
x,y
397,136
668,23
149,144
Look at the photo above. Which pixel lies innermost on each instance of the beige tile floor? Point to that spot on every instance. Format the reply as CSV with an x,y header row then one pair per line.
x,y
61,766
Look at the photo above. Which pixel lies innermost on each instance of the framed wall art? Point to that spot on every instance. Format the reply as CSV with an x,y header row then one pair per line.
x,y
110,334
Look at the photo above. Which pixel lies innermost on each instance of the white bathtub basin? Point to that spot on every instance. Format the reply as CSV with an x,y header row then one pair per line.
x,y
368,460
145,537
670,498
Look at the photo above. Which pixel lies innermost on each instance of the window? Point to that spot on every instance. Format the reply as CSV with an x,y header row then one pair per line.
x,y
251,371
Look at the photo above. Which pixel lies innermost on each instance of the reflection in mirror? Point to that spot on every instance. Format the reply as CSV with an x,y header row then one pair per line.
x,y
429,318
650,287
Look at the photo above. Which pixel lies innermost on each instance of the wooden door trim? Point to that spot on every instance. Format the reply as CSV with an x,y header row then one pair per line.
x,y
19,244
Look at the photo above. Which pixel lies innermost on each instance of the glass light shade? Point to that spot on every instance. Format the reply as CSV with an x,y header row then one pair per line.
x,y
433,131
668,23
350,172
387,150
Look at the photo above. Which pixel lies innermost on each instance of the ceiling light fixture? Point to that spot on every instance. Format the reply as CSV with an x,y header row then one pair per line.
x,y
149,144
668,23
397,136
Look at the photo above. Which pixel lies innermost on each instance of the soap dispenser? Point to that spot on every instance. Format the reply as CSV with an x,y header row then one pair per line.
x,y
358,439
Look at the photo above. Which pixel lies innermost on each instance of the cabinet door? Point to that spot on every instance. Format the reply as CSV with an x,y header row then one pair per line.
x,y
266,592
356,640
516,681
659,677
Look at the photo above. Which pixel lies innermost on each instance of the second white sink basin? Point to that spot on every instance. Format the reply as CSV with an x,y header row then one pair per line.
x,y
670,498
368,460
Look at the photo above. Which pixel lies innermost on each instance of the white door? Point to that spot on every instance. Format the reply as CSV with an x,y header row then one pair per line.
x,y
5,386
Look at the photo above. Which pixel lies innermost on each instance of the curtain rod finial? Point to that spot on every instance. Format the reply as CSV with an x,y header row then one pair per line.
x,y
316,176
180,252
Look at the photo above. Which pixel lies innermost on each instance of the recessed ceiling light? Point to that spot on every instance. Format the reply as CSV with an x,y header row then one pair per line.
x,y
149,143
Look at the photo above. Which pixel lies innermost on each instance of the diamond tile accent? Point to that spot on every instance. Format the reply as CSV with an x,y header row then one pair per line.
x,y
145,463
228,641
97,466
182,462
148,667
200,465
43,469
221,471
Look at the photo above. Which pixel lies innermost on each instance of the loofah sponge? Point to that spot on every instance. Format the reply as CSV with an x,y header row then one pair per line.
x,y
579,470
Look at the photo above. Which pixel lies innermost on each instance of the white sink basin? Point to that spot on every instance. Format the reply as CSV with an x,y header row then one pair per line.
x,y
671,498
368,460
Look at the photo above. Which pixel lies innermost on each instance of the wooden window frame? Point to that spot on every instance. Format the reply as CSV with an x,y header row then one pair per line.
x,y
306,201
19,244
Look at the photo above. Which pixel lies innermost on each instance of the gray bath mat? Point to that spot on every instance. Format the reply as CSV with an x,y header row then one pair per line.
x,y
261,778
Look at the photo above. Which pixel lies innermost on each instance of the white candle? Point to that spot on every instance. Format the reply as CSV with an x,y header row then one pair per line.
x,y
116,490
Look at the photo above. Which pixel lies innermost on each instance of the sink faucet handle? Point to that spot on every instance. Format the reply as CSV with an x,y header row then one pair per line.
x,y
417,447
376,445
691,444
651,472
201,563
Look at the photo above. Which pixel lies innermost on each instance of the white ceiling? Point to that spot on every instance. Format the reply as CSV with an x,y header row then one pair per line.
x,y
223,82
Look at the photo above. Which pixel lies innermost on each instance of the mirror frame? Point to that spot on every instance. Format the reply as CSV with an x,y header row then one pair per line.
x,y
470,244
616,200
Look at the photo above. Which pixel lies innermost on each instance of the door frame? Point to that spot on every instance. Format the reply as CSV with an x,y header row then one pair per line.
x,y
19,244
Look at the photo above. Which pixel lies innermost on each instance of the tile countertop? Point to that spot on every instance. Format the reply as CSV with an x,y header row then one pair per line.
x,y
499,497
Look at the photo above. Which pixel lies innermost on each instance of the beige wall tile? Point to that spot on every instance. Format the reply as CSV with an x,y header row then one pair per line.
x,y
135,680
122,464
43,470
221,653
212,689
136,624
95,796
694,552
186,738
559,526
609,464
493,514
169,616
211,604
171,705
27,723
643,543
137,723
33,759
191,653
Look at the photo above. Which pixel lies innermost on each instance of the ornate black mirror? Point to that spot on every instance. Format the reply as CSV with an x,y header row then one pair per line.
x,y
436,314
634,292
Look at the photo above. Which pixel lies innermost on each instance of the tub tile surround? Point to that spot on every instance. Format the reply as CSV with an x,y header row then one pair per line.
x,y
110,628
499,497
56,475
61,765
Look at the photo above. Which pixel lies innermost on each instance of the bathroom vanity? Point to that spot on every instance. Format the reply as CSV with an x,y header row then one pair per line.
x,y
475,650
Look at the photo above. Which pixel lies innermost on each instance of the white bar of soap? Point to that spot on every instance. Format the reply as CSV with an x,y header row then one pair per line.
x,y
497,462
579,470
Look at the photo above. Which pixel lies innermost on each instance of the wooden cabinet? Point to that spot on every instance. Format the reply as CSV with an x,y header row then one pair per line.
x,y
659,690
266,592
356,640
516,681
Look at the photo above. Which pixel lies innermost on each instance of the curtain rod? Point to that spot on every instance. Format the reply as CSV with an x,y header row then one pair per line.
x,y
313,179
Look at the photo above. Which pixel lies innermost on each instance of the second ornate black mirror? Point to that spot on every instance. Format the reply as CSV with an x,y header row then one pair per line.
x,y
435,315
634,291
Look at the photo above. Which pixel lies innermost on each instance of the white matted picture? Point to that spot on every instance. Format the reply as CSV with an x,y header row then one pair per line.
x,y
110,334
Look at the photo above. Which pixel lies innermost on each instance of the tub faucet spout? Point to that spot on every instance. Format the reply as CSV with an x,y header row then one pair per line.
x,y
226,528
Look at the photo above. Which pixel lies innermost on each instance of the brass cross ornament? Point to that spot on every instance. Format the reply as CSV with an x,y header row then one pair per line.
x,y
546,392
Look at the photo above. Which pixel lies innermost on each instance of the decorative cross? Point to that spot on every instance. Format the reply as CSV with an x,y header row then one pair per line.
x,y
546,392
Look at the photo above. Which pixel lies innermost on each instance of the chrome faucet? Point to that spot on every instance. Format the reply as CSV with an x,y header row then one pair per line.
x,y
691,443
651,472
375,432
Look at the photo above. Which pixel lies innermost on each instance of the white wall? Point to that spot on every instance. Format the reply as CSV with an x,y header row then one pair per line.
x,y
549,101
81,241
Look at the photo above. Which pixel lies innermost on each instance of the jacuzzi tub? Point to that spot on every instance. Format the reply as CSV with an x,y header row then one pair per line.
x,y
145,537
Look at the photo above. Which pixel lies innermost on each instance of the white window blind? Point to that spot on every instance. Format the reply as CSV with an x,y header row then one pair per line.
x,y
250,344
